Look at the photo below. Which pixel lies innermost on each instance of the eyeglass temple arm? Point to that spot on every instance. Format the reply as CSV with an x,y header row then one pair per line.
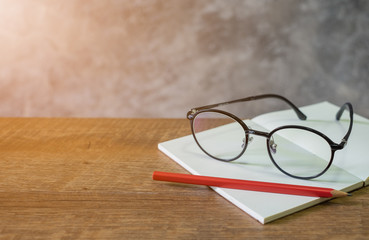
x,y
297,111
338,117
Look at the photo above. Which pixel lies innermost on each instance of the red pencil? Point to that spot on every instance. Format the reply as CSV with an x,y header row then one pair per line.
x,y
249,185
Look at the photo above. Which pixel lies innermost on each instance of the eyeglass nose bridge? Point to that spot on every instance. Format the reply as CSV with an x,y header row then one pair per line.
x,y
270,141
258,133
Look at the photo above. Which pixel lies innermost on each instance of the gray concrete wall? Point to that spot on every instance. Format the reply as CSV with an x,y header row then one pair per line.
x,y
159,58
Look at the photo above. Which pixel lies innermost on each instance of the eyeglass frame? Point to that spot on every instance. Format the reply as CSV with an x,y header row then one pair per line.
x,y
191,115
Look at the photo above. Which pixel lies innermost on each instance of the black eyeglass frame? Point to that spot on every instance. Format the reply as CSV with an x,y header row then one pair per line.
x,y
191,115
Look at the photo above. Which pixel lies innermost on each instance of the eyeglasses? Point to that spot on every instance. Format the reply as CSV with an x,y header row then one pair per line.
x,y
297,151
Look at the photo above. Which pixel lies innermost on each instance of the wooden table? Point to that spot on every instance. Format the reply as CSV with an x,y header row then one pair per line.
x,y
91,178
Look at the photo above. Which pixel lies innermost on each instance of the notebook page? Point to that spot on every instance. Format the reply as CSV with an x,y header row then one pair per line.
x,y
255,165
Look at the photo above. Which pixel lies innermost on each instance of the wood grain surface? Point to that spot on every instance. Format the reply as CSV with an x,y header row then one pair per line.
x,y
91,179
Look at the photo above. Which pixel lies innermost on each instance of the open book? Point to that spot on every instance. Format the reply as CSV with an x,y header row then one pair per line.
x,y
349,171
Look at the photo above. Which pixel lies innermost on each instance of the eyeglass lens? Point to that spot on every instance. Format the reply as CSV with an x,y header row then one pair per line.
x,y
226,139
299,152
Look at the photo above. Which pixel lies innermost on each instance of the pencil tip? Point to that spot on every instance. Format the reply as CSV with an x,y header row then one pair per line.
x,y
336,193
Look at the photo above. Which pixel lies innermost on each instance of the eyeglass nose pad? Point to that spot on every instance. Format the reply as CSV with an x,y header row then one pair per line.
x,y
273,146
248,142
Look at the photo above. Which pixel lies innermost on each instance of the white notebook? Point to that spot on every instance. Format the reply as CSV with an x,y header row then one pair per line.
x,y
349,171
